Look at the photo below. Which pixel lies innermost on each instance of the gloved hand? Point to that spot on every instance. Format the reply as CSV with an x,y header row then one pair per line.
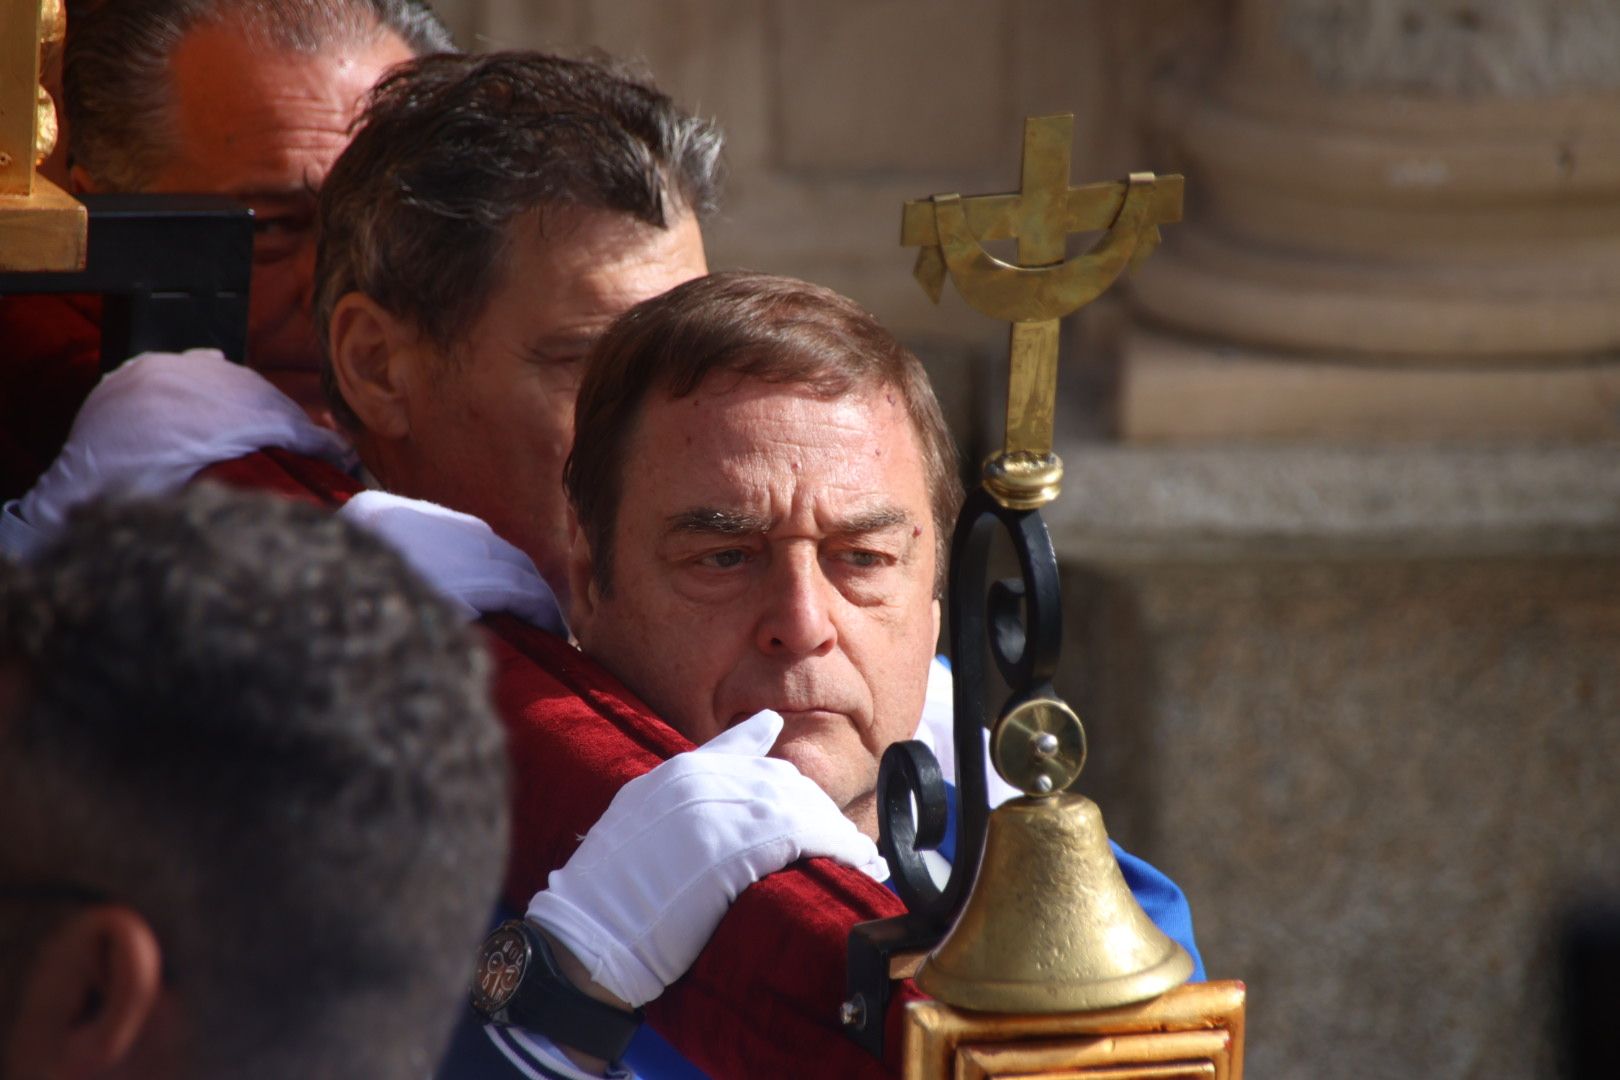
x,y
460,556
642,895
149,426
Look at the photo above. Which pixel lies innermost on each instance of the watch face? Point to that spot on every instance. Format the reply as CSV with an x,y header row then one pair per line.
x,y
501,963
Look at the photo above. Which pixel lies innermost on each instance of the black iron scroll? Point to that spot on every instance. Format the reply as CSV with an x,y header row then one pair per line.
x,y
1019,621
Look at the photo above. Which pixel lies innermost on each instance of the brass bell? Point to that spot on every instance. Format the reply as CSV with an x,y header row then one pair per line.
x,y
1050,925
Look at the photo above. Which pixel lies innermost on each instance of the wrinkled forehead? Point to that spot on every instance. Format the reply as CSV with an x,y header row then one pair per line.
x,y
734,426
247,116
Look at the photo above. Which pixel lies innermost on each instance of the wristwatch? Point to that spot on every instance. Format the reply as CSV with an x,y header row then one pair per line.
x,y
518,983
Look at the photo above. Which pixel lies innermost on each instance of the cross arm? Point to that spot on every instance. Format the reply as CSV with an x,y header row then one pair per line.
x,y
1090,207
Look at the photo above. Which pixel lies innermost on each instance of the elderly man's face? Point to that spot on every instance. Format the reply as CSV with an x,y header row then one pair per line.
x,y
490,425
773,551
265,126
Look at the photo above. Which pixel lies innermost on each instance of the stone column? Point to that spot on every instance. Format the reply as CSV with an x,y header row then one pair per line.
x,y
1405,224
1344,602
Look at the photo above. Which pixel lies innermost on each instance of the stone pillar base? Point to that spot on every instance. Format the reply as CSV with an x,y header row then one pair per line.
x,y
1180,389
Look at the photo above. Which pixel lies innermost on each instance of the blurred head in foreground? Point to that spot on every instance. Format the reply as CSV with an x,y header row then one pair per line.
x,y
254,799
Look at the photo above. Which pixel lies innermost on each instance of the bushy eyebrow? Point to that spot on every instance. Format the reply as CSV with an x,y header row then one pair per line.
x,y
706,519
871,521
710,520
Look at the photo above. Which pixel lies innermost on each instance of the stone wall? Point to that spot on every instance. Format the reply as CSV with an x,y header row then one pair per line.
x,y
838,112
1360,703
1341,524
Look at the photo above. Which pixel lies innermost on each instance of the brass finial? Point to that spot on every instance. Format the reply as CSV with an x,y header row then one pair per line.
x,y
1042,287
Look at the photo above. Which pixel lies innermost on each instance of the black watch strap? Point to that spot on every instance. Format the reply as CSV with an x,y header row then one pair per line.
x,y
548,1003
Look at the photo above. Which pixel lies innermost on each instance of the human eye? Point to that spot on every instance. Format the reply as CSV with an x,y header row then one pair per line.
x,y
864,558
276,236
724,560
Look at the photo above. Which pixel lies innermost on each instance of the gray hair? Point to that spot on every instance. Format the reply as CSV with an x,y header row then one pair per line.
x,y
450,149
245,719
115,77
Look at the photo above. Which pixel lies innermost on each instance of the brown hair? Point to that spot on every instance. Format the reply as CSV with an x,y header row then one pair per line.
x,y
757,326
416,212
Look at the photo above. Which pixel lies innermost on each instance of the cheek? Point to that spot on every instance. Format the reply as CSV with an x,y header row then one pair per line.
x,y
899,681
275,285
670,662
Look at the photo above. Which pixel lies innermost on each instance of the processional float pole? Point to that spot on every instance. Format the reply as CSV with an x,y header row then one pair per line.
x,y
42,227
1038,958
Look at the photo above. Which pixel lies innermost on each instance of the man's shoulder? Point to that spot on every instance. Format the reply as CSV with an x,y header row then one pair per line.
x,y
287,474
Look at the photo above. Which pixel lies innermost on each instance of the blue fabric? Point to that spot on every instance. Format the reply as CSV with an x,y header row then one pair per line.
x,y
651,1057
472,1056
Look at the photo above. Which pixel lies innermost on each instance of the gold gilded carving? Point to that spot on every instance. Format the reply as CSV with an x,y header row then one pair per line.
x,y
52,33
44,127
1193,1031
42,227
1042,286
1173,1054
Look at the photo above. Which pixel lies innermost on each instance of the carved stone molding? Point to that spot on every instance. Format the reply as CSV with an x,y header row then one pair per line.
x,y
1502,48
1369,183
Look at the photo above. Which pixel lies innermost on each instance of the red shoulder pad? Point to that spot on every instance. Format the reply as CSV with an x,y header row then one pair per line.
x,y
50,360
763,997
282,472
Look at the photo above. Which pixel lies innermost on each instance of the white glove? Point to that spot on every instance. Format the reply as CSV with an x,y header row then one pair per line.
x,y
460,556
149,426
642,895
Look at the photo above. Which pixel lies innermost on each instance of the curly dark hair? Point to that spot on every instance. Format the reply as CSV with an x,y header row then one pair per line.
x,y
245,719
450,149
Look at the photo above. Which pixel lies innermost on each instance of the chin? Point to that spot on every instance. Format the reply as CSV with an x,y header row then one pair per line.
x,y
813,762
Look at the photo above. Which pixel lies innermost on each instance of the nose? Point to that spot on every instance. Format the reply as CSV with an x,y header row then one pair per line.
x,y
797,617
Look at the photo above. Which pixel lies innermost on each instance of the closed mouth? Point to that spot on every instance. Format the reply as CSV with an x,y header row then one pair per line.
x,y
789,716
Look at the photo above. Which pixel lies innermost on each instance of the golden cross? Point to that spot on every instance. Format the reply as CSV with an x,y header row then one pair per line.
x,y
1042,287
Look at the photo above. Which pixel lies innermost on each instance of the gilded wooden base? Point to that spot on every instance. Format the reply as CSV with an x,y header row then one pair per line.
x,y
43,230
1194,1032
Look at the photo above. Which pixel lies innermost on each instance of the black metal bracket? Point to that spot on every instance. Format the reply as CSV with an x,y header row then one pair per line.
x,y
173,271
1021,621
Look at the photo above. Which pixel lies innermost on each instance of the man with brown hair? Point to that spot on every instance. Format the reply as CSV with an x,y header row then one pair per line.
x,y
765,489
491,216
763,485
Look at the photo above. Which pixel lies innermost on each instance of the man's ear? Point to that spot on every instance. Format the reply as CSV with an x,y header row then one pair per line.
x,y
373,354
88,997
582,591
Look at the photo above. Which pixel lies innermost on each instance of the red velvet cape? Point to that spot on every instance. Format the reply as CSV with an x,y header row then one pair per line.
x,y
50,359
762,998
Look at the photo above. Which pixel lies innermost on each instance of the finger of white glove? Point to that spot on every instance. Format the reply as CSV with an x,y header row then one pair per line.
x,y
755,735
654,877
460,556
